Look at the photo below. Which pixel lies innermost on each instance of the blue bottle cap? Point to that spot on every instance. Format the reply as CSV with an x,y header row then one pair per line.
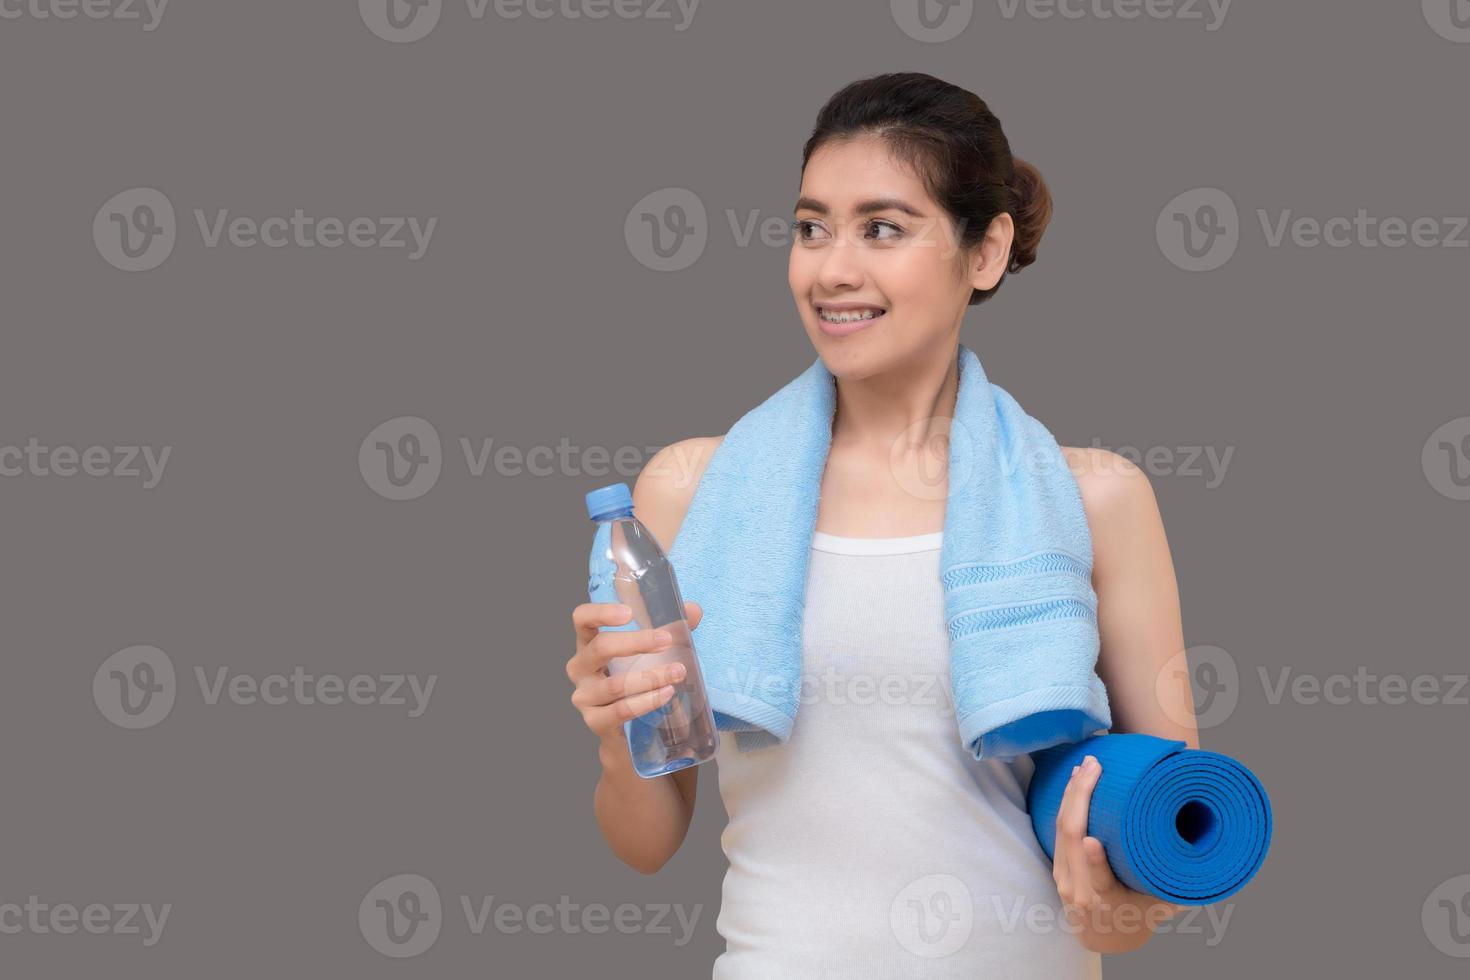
x,y
614,500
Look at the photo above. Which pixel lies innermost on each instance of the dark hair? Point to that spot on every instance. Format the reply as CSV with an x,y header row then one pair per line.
x,y
957,148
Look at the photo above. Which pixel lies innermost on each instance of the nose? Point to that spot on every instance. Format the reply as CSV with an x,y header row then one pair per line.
x,y
841,267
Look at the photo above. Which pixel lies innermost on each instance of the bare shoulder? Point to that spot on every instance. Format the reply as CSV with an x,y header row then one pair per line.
x,y
1122,511
1106,479
667,483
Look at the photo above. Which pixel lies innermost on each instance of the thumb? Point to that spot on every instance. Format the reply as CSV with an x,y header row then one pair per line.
x,y
693,612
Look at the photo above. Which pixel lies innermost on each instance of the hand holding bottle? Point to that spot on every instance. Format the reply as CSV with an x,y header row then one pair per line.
x,y
608,701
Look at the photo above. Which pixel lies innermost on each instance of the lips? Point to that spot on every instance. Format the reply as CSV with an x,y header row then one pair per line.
x,y
846,327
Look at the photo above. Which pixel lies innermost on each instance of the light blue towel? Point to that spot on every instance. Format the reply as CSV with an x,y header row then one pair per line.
x,y
1016,564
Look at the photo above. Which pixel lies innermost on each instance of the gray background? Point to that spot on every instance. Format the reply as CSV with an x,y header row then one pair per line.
x,y
1325,548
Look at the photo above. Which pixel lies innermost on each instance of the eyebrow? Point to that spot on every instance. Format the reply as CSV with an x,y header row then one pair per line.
x,y
865,207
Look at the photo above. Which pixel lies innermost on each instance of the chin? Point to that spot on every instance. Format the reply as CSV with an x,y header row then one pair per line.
x,y
850,359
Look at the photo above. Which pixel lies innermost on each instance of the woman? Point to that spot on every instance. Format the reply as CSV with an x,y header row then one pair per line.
x,y
872,843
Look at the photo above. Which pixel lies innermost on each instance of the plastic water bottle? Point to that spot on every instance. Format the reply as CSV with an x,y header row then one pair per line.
x,y
627,566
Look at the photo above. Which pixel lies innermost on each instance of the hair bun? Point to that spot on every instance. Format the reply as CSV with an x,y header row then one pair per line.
x,y
1032,213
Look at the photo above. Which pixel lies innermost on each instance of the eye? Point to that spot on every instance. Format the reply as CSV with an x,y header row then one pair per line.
x,y
877,224
805,230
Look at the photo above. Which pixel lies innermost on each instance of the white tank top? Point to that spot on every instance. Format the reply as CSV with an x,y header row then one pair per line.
x,y
872,844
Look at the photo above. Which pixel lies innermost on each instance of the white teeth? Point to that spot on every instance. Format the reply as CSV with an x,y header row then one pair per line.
x,y
848,317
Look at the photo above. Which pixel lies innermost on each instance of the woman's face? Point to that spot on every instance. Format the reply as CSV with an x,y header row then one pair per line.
x,y
870,242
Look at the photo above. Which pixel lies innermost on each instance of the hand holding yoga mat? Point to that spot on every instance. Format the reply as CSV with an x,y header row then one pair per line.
x,y
1180,824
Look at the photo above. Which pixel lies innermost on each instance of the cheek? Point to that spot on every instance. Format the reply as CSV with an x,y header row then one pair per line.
x,y
918,276
800,272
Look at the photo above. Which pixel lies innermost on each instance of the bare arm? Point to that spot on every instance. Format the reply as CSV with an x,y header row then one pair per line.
x,y
1138,615
643,820
1141,633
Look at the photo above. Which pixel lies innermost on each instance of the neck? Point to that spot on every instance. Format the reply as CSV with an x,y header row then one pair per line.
x,y
901,410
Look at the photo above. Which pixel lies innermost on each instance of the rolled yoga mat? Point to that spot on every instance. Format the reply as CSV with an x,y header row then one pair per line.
x,y
1180,824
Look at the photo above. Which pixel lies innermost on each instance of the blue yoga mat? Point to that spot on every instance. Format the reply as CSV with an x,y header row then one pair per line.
x,y
1180,824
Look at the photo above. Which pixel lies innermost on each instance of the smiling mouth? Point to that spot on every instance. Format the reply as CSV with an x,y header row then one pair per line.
x,y
849,316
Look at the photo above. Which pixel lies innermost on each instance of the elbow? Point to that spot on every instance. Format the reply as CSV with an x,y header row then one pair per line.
x,y
652,864
645,866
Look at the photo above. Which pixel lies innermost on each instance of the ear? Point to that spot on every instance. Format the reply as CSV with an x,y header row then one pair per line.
x,y
989,261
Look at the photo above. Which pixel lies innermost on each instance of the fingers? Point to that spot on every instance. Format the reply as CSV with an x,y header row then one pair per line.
x,y
1071,826
598,691
608,719
590,616
1099,872
608,700
1079,883
624,643
596,647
